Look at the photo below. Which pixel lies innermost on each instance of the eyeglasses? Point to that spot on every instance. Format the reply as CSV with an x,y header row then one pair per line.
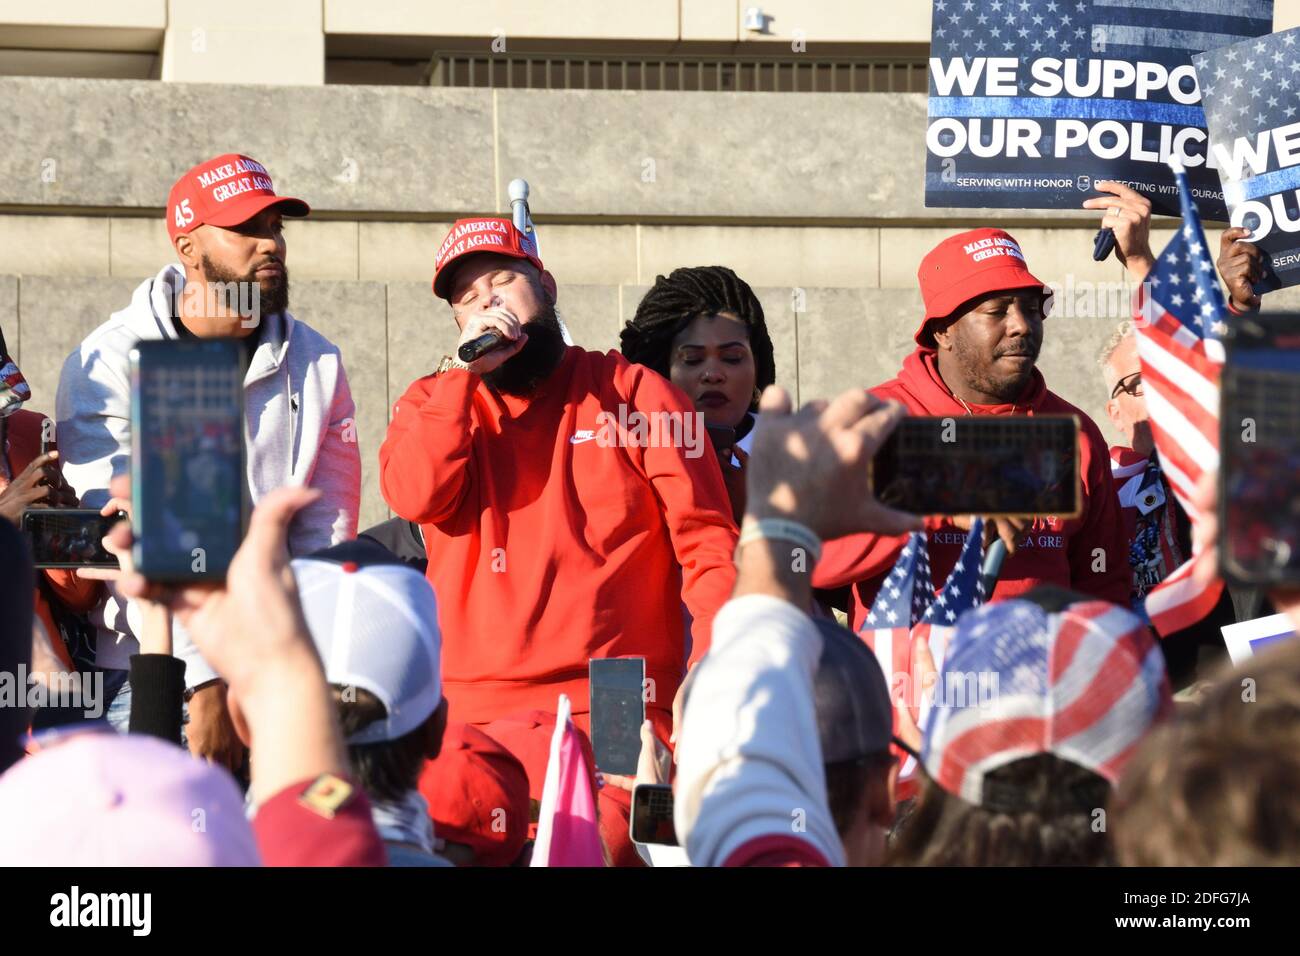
x,y
1129,384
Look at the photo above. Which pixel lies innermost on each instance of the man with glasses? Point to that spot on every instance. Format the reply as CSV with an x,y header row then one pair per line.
x,y
1157,530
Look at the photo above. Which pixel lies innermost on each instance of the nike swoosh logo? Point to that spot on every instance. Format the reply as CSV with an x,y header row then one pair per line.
x,y
579,439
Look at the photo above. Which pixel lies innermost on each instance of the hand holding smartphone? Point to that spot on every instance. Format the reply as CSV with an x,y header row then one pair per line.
x,y
189,490
69,537
1259,446
617,711
996,466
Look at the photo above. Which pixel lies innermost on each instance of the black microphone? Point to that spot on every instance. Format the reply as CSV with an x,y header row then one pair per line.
x,y
478,347
1103,244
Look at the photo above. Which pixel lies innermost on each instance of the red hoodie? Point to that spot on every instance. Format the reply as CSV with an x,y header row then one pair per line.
x,y
1053,551
549,544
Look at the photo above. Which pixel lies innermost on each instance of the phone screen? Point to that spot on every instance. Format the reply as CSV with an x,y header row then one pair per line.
x,y
982,464
1260,462
652,815
187,457
69,537
617,712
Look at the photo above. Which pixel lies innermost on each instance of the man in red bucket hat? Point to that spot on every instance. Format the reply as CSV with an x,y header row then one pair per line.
x,y
976,349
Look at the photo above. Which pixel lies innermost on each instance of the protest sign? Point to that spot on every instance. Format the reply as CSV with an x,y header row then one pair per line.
x,y
1033,100
1251,92
1248,638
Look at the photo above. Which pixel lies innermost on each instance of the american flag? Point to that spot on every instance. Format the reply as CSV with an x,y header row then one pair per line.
x,y
900,604
906,609
963,590
1181,313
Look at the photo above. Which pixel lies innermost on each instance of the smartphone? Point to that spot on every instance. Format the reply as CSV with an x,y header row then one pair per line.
x,y
1259,447
188,486
722,436
617,711
69,537
997,465
652,814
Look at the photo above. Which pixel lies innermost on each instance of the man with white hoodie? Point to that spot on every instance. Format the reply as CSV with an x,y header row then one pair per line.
x,y
225,223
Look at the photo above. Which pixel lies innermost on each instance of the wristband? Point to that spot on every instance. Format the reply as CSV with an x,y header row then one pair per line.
x,y
781,529
191,691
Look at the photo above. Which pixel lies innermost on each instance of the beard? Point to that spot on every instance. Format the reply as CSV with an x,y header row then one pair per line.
x,y
523,372
985,377
272,294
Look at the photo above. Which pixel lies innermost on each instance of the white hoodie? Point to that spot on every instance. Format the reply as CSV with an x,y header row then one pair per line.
x,y
749,761
300,422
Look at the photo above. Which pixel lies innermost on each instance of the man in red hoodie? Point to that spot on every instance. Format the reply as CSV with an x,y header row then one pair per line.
x,y
976,351
569,500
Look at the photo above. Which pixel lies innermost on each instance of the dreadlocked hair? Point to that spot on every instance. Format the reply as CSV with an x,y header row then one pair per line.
x,y
675,301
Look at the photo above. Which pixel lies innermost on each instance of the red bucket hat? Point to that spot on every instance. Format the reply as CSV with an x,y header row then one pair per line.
x,y
225,191
484,234
967,265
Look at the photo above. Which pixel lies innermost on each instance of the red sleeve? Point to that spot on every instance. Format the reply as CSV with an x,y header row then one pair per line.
x,y
696,509
855,558
1098,550
776,850
424,462
290,833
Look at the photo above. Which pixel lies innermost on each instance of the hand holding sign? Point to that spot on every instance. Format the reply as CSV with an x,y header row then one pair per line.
x,y
1128,215
1255,144
1241,264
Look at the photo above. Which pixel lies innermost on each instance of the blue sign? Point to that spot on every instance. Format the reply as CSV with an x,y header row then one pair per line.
x,y
1033,100
1252,103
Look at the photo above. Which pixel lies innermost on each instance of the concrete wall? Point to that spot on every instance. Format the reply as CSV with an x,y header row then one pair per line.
x,y
815,199
391,333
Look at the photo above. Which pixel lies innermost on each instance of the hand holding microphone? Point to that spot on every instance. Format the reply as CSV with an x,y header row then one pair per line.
x,y
489,338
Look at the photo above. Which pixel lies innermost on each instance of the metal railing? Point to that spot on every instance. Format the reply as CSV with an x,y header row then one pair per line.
x,y
803,73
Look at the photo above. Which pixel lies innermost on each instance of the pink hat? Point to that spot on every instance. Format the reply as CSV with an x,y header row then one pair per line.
x,y
97,798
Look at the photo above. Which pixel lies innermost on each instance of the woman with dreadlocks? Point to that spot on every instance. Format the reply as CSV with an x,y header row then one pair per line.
x,y
702,328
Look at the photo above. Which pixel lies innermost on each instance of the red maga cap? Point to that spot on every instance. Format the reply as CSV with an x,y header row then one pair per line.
x,y
477,793
968,265
225,191
484,234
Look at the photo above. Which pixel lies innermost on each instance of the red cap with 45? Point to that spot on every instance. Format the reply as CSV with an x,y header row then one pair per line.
x,y
484,234
225,191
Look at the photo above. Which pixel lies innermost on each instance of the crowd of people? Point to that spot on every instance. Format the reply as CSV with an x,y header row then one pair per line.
x,y
388,696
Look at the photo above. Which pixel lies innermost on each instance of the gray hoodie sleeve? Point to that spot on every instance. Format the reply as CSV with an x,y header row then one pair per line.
x,y
93,409
333,518
330,520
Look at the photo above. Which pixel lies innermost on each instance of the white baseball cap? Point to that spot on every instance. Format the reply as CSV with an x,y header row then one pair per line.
x,y
375,625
